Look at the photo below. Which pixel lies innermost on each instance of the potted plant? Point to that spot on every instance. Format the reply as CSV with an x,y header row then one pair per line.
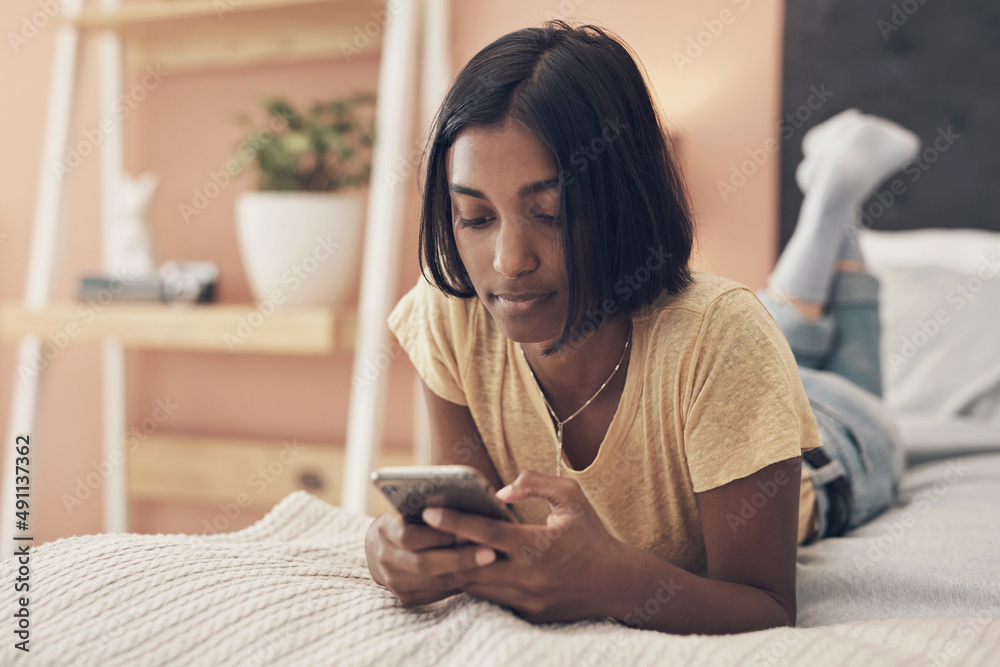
x,y
299,233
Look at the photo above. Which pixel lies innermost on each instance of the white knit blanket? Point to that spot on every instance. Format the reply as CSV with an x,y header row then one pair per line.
x,y
294,589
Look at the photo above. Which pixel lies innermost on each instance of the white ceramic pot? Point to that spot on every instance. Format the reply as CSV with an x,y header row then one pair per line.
x,y
300,248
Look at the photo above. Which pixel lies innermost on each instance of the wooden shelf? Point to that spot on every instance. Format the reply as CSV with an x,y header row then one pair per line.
x,y
183,35
209,470
159,11
229,328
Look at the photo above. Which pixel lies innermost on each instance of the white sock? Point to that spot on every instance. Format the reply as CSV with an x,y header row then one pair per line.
x,y
845,161
817,140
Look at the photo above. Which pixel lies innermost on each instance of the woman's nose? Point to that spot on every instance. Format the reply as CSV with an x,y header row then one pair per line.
x,y
513,253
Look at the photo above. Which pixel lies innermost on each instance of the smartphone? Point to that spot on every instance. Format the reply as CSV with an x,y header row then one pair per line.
x,y
412,488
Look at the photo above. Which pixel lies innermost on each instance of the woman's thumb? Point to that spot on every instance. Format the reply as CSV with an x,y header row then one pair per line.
x,y
531,484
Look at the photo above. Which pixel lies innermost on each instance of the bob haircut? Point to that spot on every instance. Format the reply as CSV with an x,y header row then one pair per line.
x,y
627,229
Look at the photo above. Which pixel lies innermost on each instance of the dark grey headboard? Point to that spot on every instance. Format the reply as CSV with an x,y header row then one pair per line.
x,y
929,65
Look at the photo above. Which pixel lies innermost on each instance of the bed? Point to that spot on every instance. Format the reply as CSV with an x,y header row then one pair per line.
x,y
918,586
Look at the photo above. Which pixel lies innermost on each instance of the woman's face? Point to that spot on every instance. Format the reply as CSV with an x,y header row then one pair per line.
x,y
504,192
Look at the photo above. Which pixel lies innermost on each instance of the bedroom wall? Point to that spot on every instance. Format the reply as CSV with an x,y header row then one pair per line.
x,y
714,66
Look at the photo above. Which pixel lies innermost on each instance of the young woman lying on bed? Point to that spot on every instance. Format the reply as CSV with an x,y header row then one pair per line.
x,y
649,423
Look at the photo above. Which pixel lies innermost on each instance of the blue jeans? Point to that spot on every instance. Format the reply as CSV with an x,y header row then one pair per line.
x,y
838,357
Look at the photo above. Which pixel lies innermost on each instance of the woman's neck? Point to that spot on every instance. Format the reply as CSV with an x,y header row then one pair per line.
x,y
573,374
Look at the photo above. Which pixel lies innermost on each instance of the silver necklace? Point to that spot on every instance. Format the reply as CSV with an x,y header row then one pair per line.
x,y
560,424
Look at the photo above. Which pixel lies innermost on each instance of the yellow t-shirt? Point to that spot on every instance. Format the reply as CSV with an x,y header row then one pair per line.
x,y
712,394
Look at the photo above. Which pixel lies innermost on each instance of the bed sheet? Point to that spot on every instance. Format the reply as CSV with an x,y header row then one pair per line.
x,y
919,585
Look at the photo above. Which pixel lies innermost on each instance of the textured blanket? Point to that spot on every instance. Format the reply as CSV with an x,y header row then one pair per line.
x,y
918,586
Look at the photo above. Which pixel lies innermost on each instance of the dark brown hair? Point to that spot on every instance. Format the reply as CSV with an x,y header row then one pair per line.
x,y
622,197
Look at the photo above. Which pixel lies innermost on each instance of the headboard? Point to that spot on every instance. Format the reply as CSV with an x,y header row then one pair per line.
x,y
932,66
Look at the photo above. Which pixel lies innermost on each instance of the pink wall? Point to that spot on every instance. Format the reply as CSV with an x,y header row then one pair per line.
x,y
723,101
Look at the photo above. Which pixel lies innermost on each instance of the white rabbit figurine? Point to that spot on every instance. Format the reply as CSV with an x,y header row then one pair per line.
x,y
131,250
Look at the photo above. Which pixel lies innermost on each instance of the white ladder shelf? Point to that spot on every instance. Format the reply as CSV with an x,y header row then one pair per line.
x,y
396,108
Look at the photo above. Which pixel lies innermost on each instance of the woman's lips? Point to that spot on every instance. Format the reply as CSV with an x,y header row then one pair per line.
x,y
519,304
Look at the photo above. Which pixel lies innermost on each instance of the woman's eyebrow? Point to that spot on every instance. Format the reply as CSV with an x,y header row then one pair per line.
x,y
540,186
530,189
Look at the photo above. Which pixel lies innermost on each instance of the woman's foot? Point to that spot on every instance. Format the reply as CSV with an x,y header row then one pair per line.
x,y
852,153
817,141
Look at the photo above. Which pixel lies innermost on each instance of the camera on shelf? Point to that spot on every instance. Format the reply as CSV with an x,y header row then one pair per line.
x,y
174,282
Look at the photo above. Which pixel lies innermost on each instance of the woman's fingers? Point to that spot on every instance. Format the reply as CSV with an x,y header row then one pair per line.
x,y
433,574
484,530
414,536
560,492
418,563
431,563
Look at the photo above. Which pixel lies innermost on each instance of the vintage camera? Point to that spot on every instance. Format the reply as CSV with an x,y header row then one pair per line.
x,y
193,282
175,281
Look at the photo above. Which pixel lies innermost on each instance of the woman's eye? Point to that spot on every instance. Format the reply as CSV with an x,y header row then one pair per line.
x,y
472,222
547,219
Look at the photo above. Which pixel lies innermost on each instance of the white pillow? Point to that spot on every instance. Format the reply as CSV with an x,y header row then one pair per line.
x,y
940,312
963,250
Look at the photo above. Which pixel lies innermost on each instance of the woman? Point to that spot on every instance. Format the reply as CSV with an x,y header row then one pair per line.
x,y
647,423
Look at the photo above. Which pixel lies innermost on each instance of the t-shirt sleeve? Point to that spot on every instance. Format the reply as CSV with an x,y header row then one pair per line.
x,y
747,408
433,330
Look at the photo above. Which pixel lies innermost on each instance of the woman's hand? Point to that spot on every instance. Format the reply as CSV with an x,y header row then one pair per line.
x,y
418,563
563,571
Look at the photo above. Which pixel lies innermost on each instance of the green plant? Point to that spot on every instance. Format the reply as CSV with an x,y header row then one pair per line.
x,y
328,148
